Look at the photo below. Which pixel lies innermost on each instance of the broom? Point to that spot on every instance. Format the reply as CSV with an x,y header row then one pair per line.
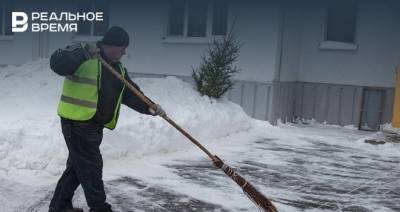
x,y
254,195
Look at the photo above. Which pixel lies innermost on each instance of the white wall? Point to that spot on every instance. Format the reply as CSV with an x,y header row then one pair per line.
x,y
60,40
27,46
372,64
18,48
256,27
291,42
257,24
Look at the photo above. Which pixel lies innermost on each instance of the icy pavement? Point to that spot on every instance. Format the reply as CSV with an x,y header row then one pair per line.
x,y
307,168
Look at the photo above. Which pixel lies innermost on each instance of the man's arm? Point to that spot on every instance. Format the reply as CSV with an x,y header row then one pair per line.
x,y
131,100
66,61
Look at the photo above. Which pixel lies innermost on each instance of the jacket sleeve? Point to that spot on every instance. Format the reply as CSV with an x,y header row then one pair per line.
x,y
66,61
131,100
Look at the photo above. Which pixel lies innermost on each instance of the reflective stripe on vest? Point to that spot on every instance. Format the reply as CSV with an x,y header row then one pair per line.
x,y
79,102
80,94
82,80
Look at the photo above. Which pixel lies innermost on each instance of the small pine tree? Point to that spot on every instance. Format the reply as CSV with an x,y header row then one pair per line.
x,y
214,76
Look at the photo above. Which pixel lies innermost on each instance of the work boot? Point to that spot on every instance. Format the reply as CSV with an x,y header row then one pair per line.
x,y
105,208
66,210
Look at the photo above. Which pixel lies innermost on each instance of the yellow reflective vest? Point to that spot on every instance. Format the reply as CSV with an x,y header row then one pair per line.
x,y
80,93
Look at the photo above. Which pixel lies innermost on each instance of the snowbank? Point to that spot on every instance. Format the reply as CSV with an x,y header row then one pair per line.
x,y
30,136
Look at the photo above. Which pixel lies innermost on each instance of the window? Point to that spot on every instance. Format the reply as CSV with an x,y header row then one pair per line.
x,y
194,18
220,18
341,21
176,17
95,28
197,18
5,18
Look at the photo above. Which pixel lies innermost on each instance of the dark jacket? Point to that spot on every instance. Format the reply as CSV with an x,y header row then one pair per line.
x,y
66,61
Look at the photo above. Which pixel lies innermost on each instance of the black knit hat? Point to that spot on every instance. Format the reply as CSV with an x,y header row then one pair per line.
x,y
116,36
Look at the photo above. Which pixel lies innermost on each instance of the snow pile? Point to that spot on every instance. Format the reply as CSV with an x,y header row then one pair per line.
x,y
31,139
389,128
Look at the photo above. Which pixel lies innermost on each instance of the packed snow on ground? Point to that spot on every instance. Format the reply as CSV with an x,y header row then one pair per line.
x,y
301,158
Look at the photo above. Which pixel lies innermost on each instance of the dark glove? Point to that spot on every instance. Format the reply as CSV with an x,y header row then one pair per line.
x,y
91,50
158,111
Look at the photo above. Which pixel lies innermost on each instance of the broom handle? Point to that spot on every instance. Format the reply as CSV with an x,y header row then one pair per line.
x,y
146,100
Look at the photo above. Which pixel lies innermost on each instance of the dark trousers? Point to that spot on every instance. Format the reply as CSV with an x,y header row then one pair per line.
x,y
84,166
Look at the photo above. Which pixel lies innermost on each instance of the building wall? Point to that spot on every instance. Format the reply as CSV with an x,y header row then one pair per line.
x,y
335,104
256,25
23,47
151,52
258,28
19,48
287,65
329,83
290,43
254,97
374,61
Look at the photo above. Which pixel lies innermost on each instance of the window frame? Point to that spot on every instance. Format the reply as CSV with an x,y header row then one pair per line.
x,y
355,23
168,38
327,44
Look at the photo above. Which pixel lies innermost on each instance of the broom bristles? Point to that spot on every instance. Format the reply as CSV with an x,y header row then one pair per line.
x,y
258,198
251,192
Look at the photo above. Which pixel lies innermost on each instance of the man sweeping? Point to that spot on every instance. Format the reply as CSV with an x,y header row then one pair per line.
x,y
90,100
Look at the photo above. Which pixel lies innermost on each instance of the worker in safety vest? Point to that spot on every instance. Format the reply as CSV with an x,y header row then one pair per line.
x,y
90,100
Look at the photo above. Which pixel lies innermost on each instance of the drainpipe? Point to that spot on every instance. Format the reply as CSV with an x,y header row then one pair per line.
x,y
276,83
280,44
396,106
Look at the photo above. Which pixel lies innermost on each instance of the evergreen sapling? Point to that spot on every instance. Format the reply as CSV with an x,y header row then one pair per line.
x,y
214,77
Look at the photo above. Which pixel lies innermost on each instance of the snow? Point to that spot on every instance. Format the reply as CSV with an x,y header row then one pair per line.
x,y
390,128
31,138
146,150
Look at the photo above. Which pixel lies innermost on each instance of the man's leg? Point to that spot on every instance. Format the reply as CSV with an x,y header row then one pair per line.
x,y
87,163
67,184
